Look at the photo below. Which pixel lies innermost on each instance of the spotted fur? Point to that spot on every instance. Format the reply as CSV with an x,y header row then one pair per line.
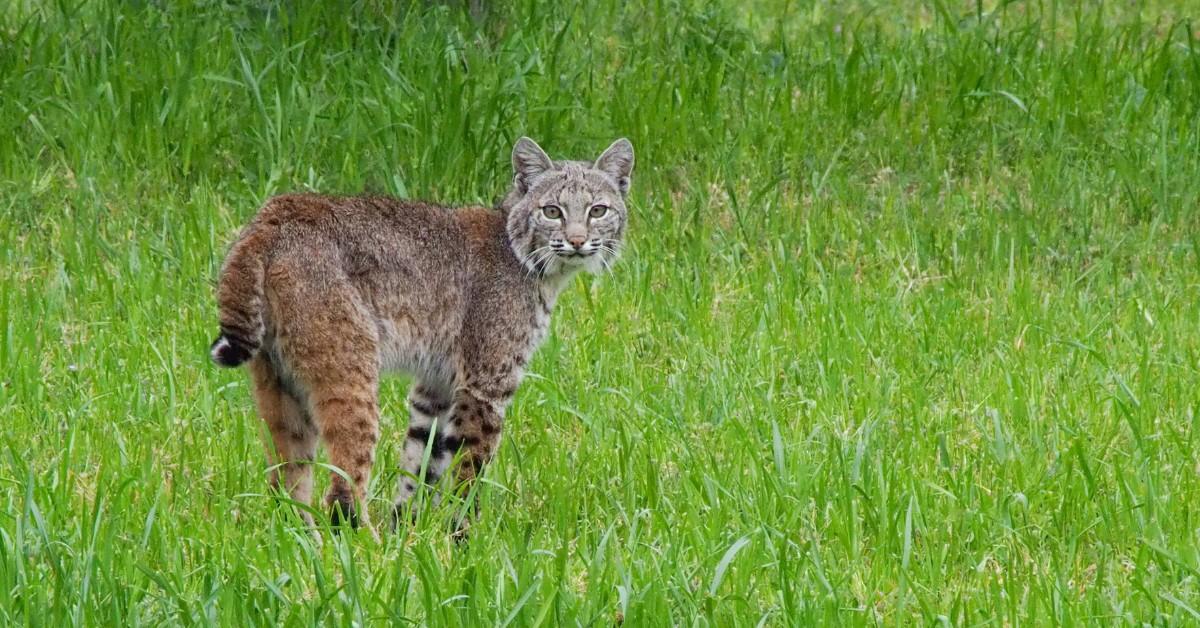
x,y
321,295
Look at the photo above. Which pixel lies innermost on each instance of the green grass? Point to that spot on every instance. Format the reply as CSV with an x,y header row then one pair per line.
x,y
906,333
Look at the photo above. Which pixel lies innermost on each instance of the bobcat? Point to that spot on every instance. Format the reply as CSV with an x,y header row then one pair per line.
x,y
322,294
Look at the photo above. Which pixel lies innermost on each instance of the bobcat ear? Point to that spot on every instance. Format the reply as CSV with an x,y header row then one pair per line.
x,y
529,161
617,161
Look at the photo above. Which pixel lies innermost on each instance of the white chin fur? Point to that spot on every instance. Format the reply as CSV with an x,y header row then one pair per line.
x,y
594,264
590,263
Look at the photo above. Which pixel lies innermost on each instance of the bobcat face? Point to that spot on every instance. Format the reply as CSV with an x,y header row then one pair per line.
x,y
571,214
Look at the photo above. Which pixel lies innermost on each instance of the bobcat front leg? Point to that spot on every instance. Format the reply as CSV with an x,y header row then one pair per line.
x,y
475,425
428,404
473,431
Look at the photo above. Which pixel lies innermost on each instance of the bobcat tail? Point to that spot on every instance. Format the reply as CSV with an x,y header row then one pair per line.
x,y
240,301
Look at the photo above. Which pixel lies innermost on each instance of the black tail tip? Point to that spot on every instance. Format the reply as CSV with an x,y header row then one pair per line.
x,y
228,352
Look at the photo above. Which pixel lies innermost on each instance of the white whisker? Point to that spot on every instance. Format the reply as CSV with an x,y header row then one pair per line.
x,y
606,252
533,259
539,264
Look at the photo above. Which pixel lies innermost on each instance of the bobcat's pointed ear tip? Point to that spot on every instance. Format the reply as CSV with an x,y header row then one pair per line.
x,y
525,143
527,150
621,147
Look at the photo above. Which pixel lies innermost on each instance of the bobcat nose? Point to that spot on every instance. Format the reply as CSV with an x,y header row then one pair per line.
x,y
576,240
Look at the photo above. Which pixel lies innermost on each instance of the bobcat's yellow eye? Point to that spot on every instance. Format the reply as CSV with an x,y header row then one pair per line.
x,y
552,212
598,211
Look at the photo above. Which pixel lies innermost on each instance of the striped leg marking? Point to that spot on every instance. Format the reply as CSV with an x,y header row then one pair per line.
x,y
427,410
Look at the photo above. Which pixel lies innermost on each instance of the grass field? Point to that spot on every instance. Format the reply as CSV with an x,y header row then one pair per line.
x,y
906,333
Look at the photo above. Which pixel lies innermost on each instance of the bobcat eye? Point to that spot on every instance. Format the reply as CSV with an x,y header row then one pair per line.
x,y
552,212
598,211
